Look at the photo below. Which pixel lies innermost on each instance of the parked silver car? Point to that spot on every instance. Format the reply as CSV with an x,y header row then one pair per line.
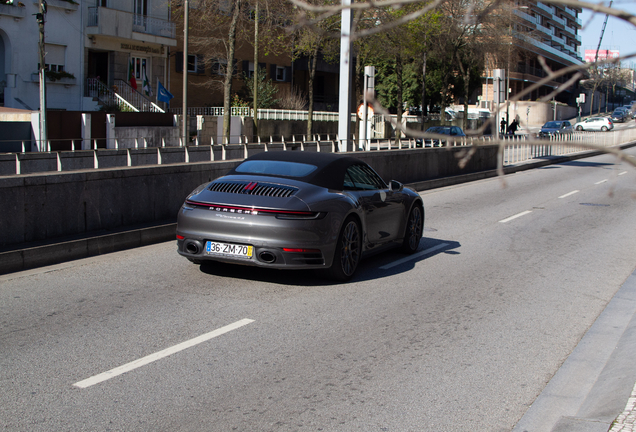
x,y
602,124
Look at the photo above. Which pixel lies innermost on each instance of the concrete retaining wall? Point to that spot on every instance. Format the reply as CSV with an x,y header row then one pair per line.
x,y
45,207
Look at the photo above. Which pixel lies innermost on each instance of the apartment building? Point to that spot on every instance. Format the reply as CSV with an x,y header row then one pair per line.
x,y
539,29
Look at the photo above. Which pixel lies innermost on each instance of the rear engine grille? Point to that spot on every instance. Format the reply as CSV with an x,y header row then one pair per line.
x,y
254,188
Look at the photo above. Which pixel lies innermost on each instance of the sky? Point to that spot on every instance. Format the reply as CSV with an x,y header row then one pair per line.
x,y
618,34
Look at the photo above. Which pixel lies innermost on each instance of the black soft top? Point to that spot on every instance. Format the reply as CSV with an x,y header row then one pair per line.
x,y
330,170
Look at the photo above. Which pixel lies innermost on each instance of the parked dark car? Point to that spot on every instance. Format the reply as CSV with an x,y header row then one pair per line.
x,y
299,210
556,127
619,115
452,131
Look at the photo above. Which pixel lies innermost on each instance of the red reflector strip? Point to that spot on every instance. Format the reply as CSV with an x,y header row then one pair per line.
x,y
180,237
250,186
299,250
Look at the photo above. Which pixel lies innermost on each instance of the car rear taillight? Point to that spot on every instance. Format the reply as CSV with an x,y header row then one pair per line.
x,y
180,237
301,250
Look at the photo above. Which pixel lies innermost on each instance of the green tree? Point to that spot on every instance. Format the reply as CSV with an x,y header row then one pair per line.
x,y
265,89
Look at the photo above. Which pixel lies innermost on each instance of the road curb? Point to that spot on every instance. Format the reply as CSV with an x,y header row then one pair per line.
x,y
590,389
55,253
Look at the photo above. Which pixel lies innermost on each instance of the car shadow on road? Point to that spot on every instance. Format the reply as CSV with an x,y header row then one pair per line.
x,y
377,266
394,262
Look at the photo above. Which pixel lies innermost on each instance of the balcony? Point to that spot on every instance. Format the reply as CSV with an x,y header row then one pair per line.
x,y
569,57
12,11
545,7
111,22
67,6
545,30
559,20
525,16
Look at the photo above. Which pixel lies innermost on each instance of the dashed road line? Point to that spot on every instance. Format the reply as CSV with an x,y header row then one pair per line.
x,y
600,182
622,173
568,194
518,215
159,355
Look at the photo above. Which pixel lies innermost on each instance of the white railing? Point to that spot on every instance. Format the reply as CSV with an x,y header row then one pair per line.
x,y
523,148
517,149
93,16
106,95
135,98
153,26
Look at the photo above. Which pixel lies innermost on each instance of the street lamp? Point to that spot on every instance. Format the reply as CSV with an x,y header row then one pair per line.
x,y
508,89
41,18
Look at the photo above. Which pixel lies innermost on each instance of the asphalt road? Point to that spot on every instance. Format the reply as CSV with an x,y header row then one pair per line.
x,y
462,336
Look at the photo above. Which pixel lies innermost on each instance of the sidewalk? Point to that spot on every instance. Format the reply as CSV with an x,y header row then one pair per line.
x,y
594,389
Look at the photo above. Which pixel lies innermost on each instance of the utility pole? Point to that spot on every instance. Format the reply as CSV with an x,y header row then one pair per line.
x,y
346,58
255,92
40,16
184,134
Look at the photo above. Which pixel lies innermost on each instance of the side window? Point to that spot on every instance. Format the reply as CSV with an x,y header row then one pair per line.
x,y
364,178
348,183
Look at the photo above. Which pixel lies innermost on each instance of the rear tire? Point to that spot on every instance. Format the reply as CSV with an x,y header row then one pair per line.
x,y
579,128
348,251
604,129
414,229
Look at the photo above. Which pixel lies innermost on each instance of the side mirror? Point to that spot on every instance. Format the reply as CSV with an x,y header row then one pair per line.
x,y
396,186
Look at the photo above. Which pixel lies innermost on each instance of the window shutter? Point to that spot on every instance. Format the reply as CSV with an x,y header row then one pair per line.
x,y
200,64
272,72
178,61
246,67
288,73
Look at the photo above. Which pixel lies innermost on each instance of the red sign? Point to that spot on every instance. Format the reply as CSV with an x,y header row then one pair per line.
x,y
590,55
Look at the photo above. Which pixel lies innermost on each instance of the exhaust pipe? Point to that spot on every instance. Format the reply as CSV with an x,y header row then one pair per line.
x,y
193,247
267,257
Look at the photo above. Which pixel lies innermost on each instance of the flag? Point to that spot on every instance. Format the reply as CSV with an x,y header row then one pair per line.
x,y
131,75
146,86
163,95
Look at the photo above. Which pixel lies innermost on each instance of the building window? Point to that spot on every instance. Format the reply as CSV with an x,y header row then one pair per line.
x,y
219,66
55,58
195,63
280,73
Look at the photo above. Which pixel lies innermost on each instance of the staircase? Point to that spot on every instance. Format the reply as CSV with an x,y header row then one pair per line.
x,y
121,95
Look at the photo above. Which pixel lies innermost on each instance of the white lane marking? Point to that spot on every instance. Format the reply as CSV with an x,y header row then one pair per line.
x,y
602,181
159,355
568,194
515,216
414,256
622,173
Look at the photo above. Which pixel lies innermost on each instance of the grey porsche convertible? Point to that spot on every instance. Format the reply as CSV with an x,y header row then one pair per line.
x,y
299,210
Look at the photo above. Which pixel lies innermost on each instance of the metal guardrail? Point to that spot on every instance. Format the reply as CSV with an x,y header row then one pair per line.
x,y
517,149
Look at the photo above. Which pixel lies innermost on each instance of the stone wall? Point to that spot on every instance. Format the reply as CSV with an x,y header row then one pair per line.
x,y
50,206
